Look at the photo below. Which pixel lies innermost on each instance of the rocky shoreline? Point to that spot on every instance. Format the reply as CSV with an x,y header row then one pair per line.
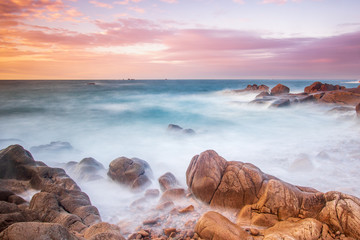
x,y
223,199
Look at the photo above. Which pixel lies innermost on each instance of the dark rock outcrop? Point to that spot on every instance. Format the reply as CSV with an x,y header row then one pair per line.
x,y
322,87
279,89
56,146
135,173
357,109
173,128
88,169
268,202
280,103
59,202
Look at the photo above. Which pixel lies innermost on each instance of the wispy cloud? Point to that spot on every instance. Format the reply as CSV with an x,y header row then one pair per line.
x,y
137,9
101,4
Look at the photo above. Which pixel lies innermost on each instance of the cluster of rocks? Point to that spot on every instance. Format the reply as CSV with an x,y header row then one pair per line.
x,y
59,210
173,128
224,200
280,96
268,208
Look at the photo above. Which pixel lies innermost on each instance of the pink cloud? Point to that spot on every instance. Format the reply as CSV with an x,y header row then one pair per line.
x,y
125,2
101,4
169,1
137,9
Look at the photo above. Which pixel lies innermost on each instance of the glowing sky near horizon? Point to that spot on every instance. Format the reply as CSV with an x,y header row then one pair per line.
x,y
116,39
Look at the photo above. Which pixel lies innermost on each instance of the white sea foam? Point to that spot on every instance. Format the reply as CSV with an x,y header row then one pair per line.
x,y
303,144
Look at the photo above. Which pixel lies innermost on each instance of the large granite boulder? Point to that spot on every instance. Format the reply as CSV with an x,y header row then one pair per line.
x,y
135,173
265,201
279,89
322,87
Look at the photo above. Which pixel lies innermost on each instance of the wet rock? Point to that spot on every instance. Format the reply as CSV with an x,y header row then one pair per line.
x,y
321,87
253,88
213,225
173,128
56,146
268,202
341,97
168,181
60,200
279,89
103,231
88,169
204,174
280,103
342,213
187,209
263,94
135,173
152,193
165,205
169,231
36,230
172,194
296,229
357,109
341,109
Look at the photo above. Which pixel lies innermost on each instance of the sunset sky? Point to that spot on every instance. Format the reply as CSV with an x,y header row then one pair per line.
x,y
179,39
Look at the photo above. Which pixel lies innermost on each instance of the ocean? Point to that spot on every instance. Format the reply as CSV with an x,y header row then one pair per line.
x,y
304,144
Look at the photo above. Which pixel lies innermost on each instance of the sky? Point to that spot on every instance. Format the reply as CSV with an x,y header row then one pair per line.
x,y
180,39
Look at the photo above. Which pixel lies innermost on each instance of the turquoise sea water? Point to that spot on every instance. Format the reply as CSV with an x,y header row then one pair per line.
x,y
303,144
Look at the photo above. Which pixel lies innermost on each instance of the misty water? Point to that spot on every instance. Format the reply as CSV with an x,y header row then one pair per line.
x,y
305,144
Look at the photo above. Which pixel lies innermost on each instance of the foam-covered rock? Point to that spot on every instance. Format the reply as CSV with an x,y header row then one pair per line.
x,y
135,173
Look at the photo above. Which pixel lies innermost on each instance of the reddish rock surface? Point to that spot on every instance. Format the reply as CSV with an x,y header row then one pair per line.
x,y
322,87
268,202
279,89
357,109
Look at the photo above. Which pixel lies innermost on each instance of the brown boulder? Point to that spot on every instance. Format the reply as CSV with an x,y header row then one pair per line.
x,y
342,213
320,87
168,181
357,109
308,228
213,225
279,89
35,231
341,97
204,174
135,173
253,88
273,204
103,231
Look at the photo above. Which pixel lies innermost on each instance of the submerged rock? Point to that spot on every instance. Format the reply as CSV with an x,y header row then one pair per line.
x,y
280,103
173,128
57,146
135,173
88,169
